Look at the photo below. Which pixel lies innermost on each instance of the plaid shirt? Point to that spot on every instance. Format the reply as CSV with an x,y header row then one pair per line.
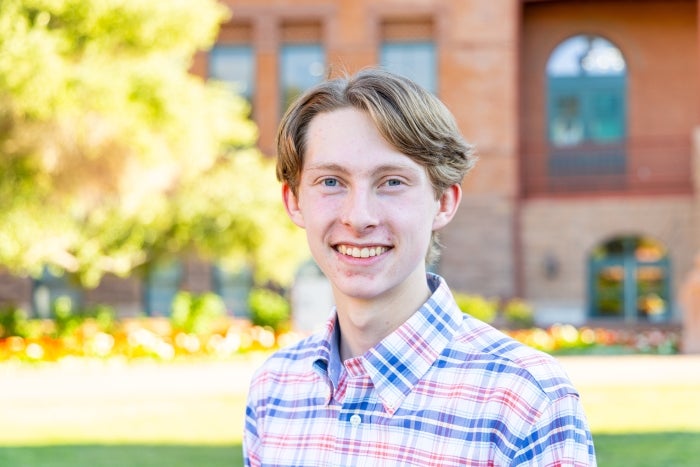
x,y
444,389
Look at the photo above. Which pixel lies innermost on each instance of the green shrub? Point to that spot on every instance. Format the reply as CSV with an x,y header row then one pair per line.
x,y
196,313
518,313
268,308
104,316
13,321
477,306
66,320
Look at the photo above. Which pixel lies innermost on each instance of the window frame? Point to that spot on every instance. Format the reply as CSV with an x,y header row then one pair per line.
x,y
48,287
631,293
240,51
286,57
410,48
165,279
586,160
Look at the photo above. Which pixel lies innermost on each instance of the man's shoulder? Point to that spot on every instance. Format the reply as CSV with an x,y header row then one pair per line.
x,y
502,357
295,358
291,373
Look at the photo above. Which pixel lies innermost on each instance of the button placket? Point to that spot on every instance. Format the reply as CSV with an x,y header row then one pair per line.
x,y
358,389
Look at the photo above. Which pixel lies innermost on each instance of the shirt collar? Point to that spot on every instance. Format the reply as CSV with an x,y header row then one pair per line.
x,y
335,363
400,360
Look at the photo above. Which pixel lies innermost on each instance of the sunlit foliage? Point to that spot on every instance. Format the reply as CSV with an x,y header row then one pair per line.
x,y
112,154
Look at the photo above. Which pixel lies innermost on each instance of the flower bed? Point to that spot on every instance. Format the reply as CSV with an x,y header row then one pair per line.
x,y
156,338
568,340
152,338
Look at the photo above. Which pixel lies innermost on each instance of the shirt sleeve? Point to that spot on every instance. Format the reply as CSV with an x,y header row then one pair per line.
x,y
251,441
561,437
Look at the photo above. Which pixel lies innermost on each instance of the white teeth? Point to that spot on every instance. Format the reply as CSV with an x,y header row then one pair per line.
x,y
364,252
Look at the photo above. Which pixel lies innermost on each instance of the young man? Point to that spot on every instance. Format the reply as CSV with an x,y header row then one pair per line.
x,y
371,168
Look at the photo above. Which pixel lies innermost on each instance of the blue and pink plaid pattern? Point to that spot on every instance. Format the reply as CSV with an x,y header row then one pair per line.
x,y
442,390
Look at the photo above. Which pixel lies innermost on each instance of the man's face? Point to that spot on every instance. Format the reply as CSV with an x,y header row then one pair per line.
x,y
368,209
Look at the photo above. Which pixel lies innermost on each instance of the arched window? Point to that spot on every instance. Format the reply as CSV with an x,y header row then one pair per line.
x,y
586,111
630,280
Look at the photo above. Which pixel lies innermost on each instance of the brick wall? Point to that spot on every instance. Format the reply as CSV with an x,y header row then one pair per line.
x,y
568,230
478,247
124,294
15,290
491,59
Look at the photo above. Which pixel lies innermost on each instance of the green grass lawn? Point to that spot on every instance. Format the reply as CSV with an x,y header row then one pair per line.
x,y
121,455
50,424
667,449
650,426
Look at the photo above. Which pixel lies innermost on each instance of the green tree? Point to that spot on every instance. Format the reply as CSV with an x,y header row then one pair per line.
x,y
112,154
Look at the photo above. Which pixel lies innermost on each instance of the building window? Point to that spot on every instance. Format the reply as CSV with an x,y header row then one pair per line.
x,y
302,66
302,58
407,48
235,66
50,287
414,60
587,112
630,280
161,285
233,286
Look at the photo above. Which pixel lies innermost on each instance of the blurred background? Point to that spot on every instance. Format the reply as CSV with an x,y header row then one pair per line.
x,y
147,264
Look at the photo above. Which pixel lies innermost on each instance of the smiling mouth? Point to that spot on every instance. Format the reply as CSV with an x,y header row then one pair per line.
x,y
364,252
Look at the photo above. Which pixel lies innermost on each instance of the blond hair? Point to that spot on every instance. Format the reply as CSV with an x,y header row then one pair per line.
x,y
410,118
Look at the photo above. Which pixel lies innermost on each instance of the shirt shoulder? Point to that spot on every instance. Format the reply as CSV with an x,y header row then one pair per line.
x,y
501,357
296,358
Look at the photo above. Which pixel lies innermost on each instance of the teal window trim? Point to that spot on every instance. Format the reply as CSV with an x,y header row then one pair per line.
x,y
586,113
630,292
589,91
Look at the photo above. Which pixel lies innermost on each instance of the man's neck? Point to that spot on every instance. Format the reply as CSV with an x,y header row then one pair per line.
x,y
364,323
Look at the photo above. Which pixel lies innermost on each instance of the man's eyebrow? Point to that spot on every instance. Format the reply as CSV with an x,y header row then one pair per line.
x,y
330,167
395,167
387,168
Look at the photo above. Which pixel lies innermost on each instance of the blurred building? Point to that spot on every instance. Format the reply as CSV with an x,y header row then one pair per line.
x,y
585,199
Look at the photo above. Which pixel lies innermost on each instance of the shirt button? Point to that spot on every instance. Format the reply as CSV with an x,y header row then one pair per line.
x,y
355,420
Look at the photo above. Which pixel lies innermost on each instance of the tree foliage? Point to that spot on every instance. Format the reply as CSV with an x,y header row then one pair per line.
x,y
112,154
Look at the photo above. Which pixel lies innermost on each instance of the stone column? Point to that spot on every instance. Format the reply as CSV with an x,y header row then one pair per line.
x,y
690,288
690,302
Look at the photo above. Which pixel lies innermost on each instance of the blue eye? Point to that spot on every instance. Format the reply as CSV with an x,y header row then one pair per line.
x,y
393,182
330,182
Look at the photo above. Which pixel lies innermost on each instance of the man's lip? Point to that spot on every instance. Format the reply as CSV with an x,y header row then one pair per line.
x,y
361,251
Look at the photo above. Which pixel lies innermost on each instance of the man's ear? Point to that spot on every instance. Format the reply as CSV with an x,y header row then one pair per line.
x,y
448,204
291,204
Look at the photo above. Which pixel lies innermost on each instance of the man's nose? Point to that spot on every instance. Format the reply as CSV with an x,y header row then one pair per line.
x,y
360,210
